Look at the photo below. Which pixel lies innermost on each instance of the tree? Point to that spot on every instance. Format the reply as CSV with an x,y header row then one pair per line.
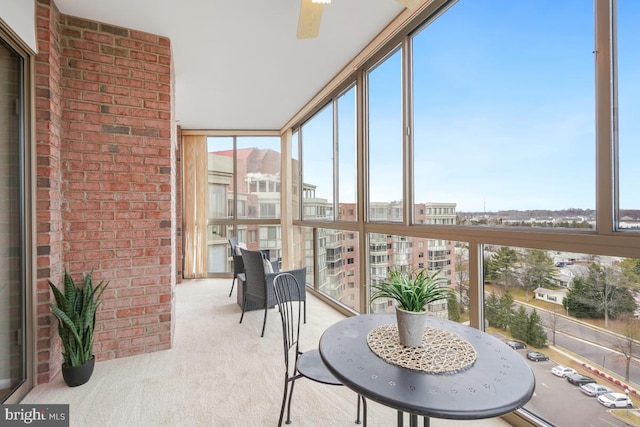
x,y
553,322
462,276
528,327
491,308
597,295
627,343
520,324
505,310
502,264
537,270
499,310
453,308
630,269
536,336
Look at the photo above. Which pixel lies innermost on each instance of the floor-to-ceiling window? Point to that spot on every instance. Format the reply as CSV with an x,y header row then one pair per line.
x,y
628,95
513,125
503,113
384,136
243,181
13,291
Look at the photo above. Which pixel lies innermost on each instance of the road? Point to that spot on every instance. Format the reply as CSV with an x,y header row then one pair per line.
x,y
593,344
563,404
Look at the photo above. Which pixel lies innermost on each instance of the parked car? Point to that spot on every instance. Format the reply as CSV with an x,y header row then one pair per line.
x,y
516,345
615,400
562,371
579,379
594,389
536,356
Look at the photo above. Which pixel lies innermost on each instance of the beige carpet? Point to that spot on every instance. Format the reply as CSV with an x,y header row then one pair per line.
x,y
218,373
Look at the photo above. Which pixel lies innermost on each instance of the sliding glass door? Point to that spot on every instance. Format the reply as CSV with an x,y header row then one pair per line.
x,y
13,370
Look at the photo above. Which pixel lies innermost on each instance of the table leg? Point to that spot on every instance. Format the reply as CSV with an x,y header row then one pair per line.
x,y
413,420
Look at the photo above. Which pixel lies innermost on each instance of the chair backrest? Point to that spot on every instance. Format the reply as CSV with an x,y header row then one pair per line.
x,y
254,273
233,242
238,265
288,295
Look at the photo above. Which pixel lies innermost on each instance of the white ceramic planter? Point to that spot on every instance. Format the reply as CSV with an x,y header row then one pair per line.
x,y
411,326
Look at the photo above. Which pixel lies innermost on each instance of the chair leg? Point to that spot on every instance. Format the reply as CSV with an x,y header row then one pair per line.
x,y
305,310
264,322
284,401
289,404
244,304
233,282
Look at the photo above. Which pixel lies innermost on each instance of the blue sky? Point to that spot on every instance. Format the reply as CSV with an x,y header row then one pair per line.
x,y
503,111
504,106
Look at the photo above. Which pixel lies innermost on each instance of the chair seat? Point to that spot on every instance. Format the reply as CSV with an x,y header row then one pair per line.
x,y
311,366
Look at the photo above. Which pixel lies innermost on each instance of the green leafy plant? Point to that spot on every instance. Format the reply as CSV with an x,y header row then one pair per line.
x,y
76,314
413,290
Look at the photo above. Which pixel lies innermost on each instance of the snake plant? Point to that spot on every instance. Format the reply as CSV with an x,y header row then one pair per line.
x,y
75,310
413,290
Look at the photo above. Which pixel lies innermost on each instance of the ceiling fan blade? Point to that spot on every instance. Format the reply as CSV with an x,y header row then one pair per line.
x,y
309,20
410,4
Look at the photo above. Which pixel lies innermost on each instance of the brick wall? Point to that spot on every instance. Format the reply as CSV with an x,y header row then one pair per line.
x,y
106,179
49,178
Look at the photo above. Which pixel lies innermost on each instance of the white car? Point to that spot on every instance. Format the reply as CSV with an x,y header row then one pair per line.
x,y
562,371
615,400
594,389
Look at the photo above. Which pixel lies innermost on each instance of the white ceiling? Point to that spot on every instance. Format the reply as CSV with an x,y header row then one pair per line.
x,y
238,64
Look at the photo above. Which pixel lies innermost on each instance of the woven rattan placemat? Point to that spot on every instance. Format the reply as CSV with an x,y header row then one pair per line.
x,y
441,352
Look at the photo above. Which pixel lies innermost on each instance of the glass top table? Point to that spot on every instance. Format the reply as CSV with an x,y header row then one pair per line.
x,y
498,382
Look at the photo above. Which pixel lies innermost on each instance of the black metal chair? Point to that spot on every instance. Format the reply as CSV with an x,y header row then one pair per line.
x,y
297,364
258,290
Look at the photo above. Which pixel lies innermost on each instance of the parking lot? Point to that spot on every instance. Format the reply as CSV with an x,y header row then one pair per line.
x,y
563,404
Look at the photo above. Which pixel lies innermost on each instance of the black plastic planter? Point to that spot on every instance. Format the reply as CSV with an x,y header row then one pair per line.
x,y
78,375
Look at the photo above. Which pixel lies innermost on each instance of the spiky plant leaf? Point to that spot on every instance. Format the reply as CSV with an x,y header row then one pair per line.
x,y
414,290
75,311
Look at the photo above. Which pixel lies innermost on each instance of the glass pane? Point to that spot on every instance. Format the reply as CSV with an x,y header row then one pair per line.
x,y
12,309
347,164
385,140
338,256
504,120
220,177
269,241
303,251
411,254
258,169
629,113
578,311
295,175
219,254
317,157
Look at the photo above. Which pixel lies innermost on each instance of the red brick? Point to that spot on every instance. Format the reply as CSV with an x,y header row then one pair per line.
x,y
96,187
99,37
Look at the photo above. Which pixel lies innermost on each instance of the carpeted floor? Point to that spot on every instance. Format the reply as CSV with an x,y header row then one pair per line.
x,y
218,373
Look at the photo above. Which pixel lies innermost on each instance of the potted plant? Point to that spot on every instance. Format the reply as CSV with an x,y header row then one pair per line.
x,y
75,310
412,291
